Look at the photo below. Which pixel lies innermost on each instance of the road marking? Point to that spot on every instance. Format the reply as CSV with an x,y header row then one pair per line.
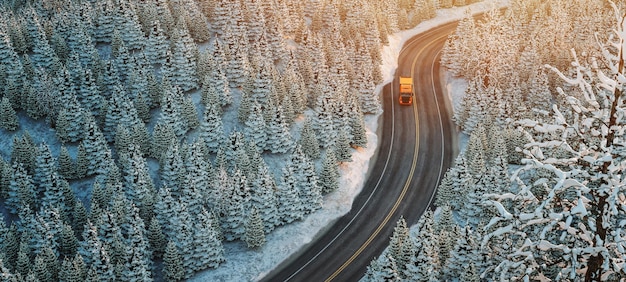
x,y
413,165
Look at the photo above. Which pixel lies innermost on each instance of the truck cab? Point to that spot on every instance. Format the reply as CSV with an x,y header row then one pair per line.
x,y
406,91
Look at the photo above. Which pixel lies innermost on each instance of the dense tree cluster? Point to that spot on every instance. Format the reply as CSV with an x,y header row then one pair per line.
x,y
537,194
144,167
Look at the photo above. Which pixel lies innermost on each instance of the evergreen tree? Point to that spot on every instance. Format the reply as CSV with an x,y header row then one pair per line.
x,y
8,117
255,234
329,176
308,141
180,64
279,138
40,270
96,149
23,263
401,246
234,207
120,110
323,123
162,137
123,140
343,149
79,216
255,126
89,94
68,242
212,129
21,190
137,182
6,173
208,250
138,254
198,177
290,207
189,113
82,163
357,130
43,55
310,191
156,238
172,263
263,197
45,171
172,111
66,166
156,45
173,170
24,151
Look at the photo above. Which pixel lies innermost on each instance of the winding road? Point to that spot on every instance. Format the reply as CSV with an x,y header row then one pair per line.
x,y
416,147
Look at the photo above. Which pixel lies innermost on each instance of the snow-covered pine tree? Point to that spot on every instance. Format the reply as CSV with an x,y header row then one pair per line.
x,y
97,151
208,249
279,138
180,64
212,129
189,113
329,174
156,44
309,190
234,207
342,149
255,126
162,138
24,151
68,243
173,170
308,140
8,117
126,21
88,94
172,263
401,246
465,251
172,110
71,121
120,110
238,65
425,260
290,207
43,54
156,238
22,191
263,197
13,70
138,254
65,164
44,175
255,234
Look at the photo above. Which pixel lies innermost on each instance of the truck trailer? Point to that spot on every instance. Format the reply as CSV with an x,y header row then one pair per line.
x,y
406,91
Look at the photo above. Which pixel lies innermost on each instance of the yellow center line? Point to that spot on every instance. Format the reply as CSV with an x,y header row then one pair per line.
x,y
407,183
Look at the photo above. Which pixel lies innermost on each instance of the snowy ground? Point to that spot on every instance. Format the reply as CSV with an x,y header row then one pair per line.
x,y
243,264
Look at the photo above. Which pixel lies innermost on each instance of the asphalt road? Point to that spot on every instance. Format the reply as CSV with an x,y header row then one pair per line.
x,y
417,145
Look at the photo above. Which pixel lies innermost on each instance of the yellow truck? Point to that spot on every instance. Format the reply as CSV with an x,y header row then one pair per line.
x,y
406,91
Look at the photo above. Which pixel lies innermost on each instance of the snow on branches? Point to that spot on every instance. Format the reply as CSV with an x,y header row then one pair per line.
x,y
567,217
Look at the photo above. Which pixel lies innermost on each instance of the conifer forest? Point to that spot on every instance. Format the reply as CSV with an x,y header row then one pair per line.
x,y
137,137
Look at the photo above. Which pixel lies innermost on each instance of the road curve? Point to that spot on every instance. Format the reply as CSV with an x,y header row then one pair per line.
x,y
415,149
